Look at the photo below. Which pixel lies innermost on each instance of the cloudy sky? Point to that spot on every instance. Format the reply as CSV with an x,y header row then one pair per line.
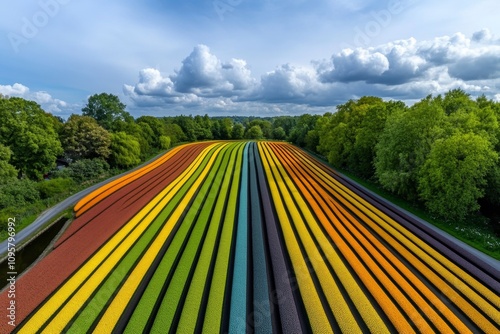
x,y
242,57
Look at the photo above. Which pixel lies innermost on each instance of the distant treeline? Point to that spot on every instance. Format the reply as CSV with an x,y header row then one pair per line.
x,y
442,151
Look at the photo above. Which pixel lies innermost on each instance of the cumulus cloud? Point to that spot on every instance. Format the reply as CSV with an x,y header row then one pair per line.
x,y
154,88
151,82
404,69
14,90
199,70
204,74
201,76
356,65
47,102
288,83
408,60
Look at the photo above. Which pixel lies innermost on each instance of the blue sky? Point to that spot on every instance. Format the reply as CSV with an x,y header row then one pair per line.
x,y
259,57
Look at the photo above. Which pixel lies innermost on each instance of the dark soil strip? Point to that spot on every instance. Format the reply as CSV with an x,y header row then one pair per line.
x,y
262,307
322,293
286,294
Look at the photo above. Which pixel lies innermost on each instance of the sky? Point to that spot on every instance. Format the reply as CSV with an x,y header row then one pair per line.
x,y
246,57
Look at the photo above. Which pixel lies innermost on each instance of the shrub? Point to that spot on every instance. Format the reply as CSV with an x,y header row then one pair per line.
x,y
54,187
17,193
164,142
83,170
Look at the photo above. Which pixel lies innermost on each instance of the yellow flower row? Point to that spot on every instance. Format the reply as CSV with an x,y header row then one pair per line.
x,y
418,253
314,307
122,298
78,288
375,262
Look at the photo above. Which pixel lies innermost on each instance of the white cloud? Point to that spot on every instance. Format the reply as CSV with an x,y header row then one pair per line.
x,y
288,83
357,65
483,35
14,90
46,101
403,69
404,61
151,82
201,76
204,74
237,74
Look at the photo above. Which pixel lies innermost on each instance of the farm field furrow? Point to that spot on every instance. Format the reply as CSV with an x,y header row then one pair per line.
x,y
251,237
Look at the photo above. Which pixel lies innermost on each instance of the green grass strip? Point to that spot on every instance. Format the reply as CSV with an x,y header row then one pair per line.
x,y
213,316
181,278
95,306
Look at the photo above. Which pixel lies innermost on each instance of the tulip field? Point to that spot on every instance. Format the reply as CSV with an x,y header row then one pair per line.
x,y
251,236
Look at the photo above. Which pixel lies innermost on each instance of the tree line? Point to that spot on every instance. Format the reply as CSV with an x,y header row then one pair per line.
x,y
443,151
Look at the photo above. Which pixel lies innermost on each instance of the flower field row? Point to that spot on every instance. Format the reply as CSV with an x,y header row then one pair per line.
x,y
251,236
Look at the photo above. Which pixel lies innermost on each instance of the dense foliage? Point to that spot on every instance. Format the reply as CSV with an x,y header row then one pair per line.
x,y
29,133
83,138
442,151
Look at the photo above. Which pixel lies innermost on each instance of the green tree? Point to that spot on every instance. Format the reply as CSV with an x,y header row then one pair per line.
x,y
492,191
304,124
188,126
255,132
83,138
54,187
106,109
157,126
175,133
453,177
311,141
7,171
125,150
164,142
455,100
226,127
203,127
362,156
348,137
238,131
57,122
216,129
84,170
29,133
279,133
142,132
405,143
285,122
334,142
265,126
